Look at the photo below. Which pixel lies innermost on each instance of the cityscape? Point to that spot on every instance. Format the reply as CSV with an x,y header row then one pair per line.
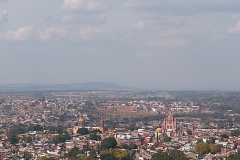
x,y
119,80
142,125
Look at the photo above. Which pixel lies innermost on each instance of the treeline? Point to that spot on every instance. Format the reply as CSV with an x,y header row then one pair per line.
x,y
14,132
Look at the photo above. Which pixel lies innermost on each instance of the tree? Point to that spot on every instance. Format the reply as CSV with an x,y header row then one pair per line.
x,y
202,148
28,139
108,143
235,133
43,158
235,156
211,140
174,155
35,128
214,148
74,152
13,138
96,131
178,155
60,138
84,158
107,155
132,146
94,136
82,131
59,129
199,140
121,154
224,136
167,139
115,154
92,155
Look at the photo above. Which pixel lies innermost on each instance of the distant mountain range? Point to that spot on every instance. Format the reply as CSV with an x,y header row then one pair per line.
x,y
88,86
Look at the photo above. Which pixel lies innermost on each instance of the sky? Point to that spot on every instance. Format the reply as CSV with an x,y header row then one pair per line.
x,y
154,44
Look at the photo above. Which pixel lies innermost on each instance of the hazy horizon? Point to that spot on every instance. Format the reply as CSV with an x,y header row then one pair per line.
x,y
103,86
156,44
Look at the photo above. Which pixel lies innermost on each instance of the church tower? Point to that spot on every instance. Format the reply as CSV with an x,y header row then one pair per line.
x,y
169,123
81,122
101,125
191,127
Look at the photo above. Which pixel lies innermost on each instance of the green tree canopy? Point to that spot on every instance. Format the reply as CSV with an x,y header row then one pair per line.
x,y
59,129
43,158
121,154
96,131
202,148
115,154
74,152
214,148
92,155
83,131
199,140
235,133
130,146
60,138
174,155
35,128
177,155
13,138
108,143
211,140
224,136
167,139
235,156
107,155
94,136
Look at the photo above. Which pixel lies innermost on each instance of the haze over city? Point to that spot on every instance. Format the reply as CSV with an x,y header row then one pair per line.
x,y
156,44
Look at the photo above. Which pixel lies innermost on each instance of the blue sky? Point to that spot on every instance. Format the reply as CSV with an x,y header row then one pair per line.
x,y
156,44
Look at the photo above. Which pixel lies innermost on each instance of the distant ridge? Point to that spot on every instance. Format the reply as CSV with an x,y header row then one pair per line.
x,y
87,86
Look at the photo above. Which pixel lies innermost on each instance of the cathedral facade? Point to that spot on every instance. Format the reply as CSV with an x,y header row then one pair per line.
x,y
81,124
169,124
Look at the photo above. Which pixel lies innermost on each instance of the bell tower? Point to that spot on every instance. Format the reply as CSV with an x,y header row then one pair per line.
x,y
101,125
169,123
81,122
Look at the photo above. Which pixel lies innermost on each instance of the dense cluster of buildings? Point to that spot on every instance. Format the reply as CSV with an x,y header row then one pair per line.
x,y
74,112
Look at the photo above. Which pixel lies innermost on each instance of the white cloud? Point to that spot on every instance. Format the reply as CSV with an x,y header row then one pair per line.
x,y
139,25
84,5
52,32
3,16
84,11
20,34
71,5
235,29
96,6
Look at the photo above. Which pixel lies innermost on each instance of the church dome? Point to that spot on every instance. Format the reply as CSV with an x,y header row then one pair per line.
x,y
159,130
